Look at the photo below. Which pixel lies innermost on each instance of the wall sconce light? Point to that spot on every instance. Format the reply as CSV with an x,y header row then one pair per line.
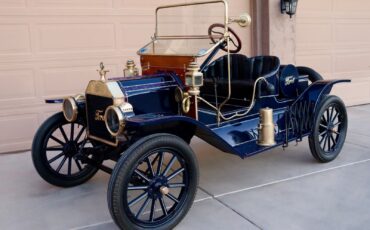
x,y
289,7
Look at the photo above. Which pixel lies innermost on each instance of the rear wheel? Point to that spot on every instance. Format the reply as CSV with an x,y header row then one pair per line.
x,y
55,151
154,184
330,130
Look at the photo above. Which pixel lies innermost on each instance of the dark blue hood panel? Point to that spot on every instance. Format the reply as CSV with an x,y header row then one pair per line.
x,y
151,94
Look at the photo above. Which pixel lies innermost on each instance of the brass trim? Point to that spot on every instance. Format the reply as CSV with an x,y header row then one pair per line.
x,y
109,89
102,72
114,144
164,190
179,94
226,16
186,103
73,103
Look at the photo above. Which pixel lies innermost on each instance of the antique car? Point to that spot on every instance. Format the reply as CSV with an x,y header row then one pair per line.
x,y
191,85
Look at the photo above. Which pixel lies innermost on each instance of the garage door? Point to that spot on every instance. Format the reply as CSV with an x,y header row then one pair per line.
x,y
333,36
51,48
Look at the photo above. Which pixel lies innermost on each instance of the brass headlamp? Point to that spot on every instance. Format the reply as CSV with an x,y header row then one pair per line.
x,y
115,117
70,108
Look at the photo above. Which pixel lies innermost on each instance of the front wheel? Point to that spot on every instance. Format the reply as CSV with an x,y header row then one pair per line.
x,y
330,129
55,151
154,183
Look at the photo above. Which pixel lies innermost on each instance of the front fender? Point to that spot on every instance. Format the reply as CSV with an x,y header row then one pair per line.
x,y
58,100
181,126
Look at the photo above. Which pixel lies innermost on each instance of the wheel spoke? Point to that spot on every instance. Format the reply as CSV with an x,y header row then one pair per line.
x,y
325,142
336,132
54,149
57,140
63,133
323,138
322,133
56,157
80,133
78,165
169,166
61,163
137,199
163,206
338,123
335,116
159,167
327,115
331,114
170,177
72,130
169,195
143,207
152,210
324,126
137,187
69,166
176,185
329,143
333,140
150,166
138,172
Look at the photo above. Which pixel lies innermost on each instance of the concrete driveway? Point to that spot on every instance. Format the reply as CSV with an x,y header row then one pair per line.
x,y
279,189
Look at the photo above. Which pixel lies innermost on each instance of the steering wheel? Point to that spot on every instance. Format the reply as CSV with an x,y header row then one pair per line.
x,y
234,38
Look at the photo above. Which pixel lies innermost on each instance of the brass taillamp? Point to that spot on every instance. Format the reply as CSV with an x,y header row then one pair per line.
x,y
130,69
266,129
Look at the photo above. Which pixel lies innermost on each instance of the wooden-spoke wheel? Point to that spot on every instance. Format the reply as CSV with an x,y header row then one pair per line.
x,y
154,184
330,130
56,149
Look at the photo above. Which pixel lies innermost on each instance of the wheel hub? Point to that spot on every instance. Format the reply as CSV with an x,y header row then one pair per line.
x,y
158,187
71,148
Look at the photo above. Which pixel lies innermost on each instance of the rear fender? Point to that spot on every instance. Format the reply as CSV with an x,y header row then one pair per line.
x,y
316,91
322,89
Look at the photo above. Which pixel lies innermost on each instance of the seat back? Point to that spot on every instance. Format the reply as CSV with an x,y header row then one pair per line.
x,y
244,72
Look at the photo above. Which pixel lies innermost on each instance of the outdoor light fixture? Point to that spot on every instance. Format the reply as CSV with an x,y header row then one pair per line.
x,y
289,7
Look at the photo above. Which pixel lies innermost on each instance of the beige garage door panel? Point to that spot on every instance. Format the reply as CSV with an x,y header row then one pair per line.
x,y
333,36
52,48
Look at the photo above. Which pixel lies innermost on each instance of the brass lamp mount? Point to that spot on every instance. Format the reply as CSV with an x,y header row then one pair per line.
x,y
244,20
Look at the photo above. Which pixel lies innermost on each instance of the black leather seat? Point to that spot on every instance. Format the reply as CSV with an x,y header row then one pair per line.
x,y
244,72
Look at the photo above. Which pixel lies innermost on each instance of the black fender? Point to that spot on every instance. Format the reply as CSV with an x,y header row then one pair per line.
x,y
314,94
58,100
184,127
80,104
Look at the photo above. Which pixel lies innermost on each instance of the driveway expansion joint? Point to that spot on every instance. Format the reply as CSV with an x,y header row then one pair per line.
x,y
230,208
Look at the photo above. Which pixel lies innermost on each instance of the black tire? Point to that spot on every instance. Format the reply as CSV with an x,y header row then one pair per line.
x,y
330,129
46,166
138,155
312,74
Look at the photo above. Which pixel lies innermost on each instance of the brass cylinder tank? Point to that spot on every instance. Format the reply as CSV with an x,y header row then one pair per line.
x,y
266,129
